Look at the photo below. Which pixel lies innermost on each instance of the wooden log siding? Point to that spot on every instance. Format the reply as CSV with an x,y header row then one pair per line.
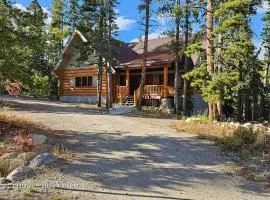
x,y
66,89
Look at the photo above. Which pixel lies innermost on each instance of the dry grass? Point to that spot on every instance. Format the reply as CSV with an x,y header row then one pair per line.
x,y
58,197
61,152
205,130
14,133
29,191
248,143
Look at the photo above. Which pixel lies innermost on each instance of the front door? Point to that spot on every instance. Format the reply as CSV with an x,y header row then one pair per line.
x,y
134,84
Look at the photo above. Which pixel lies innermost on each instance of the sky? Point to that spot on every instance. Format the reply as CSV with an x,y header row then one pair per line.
x,y
128,18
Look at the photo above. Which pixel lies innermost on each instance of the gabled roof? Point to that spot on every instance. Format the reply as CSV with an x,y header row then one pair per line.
x,y
131,55
69,47
159,52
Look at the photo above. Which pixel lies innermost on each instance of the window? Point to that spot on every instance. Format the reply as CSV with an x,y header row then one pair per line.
x,y
90,82
85,81
78,81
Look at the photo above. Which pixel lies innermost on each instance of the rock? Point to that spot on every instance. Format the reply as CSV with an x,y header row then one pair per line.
x,y
15,163
237,124
20,173
2,180
121,110
247,125
8,156
166,106
27,156
193,119
42,159
259,127
10,164
38,139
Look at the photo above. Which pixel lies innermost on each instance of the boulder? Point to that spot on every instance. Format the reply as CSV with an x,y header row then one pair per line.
x,y
166,106
2,180
27,156
247,125
20,173
15,163
38,139
42,159
8,156
10,164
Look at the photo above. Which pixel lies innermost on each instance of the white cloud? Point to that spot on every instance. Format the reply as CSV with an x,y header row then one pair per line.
x,y
264,7
20,6
124,24
151,36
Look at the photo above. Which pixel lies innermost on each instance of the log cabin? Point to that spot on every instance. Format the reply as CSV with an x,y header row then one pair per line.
x,y
78,80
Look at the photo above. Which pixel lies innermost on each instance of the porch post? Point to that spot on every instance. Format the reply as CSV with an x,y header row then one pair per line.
x,y
127,79
165,83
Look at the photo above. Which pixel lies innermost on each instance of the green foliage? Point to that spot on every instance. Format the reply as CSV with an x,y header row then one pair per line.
x,y
216,89
194,48
40,85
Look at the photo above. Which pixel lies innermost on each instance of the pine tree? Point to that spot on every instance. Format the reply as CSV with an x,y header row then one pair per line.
x,y
34,20
146,7
74,14
57,32
177,15
266,43
14,52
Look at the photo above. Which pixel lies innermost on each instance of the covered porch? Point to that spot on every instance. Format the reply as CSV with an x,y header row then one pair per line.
x,y
159,84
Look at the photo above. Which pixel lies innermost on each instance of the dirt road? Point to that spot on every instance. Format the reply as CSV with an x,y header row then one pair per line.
x,y
119,157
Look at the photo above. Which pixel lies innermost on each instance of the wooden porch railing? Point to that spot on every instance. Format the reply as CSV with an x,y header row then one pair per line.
x,y
122,92
149,91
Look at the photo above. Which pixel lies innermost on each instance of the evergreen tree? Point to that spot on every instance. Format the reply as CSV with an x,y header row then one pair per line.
x,y
266,43
57,32
144,6
14,52
34,20
74,14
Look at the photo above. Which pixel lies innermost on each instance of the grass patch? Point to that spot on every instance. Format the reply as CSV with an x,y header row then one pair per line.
x,y
15,134
58,197
204,129
29,191
248,143
61,152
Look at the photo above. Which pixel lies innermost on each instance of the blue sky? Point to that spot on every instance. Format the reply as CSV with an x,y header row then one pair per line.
x,y
128,20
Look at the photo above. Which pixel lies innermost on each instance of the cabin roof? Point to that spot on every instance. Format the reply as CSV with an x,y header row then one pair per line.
x,y
131,54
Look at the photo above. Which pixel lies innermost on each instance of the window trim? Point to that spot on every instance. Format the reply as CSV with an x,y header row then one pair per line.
x,y
89,84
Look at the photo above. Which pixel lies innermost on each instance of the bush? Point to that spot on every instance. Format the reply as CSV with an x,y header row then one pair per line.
x,y
40,86
243,137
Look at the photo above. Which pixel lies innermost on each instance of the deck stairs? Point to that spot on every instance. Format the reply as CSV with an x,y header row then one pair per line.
x,y
128,101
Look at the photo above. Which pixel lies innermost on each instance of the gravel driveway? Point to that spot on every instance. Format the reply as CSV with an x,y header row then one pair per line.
x,y
119,157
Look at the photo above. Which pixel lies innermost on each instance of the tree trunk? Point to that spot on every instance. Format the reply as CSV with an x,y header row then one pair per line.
x,y
145,53
100,58
212,108
176,78
109,70
99,80
185,88
267,69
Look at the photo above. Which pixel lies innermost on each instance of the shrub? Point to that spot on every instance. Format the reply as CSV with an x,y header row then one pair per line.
x,y
204,129
40,86
243,137
61,152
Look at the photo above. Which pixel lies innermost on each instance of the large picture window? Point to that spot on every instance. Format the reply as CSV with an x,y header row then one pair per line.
x,y
85,81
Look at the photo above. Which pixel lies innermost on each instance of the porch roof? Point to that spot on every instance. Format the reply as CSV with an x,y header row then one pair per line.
x,y
159,52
